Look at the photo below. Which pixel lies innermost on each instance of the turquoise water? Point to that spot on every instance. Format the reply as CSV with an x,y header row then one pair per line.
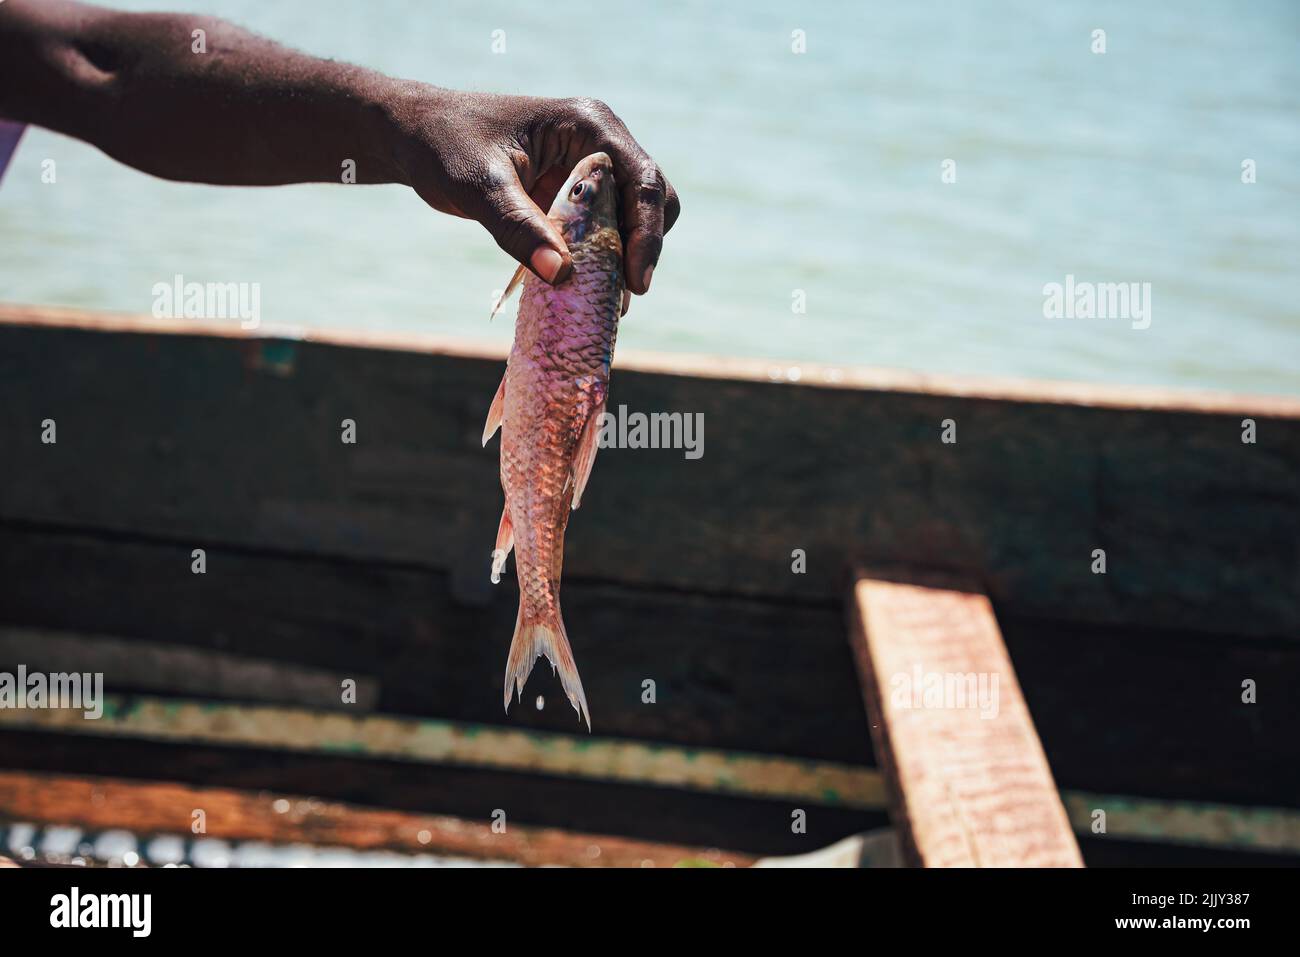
x,y
817,172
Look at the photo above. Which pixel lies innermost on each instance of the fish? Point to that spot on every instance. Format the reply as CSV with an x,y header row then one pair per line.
x,y
549,408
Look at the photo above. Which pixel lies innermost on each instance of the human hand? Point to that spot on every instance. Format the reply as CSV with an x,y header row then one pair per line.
x,y
500,160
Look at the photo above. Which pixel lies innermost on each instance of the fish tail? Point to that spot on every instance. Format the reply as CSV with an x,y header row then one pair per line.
x,y
535,637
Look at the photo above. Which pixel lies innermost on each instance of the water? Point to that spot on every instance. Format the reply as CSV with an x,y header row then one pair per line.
x,y
817,172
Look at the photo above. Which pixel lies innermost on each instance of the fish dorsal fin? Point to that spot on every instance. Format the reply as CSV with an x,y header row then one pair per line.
x,y
511,286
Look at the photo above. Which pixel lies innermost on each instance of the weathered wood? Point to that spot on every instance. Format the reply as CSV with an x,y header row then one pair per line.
x,y
224,438
147,808
661,815
1199,824
726,672
307,533
169,669
740,368
442,742
970,782
1161,713
1136,827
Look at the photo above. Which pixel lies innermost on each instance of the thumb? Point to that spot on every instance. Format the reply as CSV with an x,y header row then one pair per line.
x,y
522,229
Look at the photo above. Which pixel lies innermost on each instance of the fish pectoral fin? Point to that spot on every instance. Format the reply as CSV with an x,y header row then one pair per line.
x,y
511,286
495,411
586,456
505,542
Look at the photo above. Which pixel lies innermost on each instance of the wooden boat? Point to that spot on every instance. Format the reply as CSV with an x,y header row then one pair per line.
x,y
1125,560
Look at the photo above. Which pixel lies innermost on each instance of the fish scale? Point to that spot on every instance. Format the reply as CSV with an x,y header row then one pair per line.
x,y
548,408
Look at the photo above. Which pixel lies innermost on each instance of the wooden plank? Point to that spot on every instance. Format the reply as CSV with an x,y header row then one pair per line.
x,y
1194,823
170,669
474,746
726,674
1269,833
733,368
1159,713
970,782
638,811
1201,525
147,808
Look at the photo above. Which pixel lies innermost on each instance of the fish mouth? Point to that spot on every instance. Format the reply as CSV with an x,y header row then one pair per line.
x,y
597,161
595,167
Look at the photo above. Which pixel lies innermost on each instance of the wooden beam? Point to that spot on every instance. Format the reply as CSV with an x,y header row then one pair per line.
x,y
177,670
1217,826
1175,725
1270,830
627,808
713,367
148,808
465,745
968,777
431,654
1159,713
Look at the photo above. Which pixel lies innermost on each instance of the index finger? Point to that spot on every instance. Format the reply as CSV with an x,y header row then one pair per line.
x,y
650,207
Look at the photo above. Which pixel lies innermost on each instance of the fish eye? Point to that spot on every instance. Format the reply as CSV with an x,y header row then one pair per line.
x,y
577,190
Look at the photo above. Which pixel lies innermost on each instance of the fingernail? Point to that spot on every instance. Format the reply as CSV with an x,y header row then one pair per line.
x,y
627,301
649,272
546,262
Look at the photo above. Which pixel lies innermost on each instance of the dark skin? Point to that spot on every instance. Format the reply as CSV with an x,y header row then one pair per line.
x,y
249,112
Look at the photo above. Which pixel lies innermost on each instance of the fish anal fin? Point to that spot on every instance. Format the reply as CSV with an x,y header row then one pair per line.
x,y
587,446
505,542
557,552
